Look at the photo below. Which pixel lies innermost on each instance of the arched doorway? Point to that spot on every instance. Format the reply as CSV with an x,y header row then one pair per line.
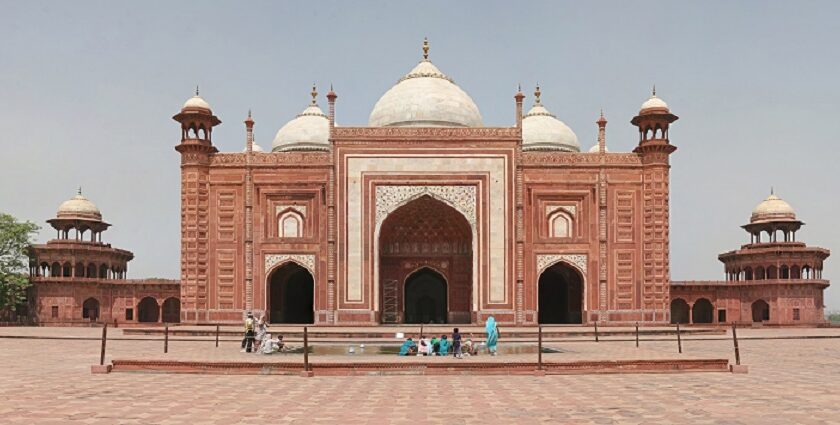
x,y
760,311
148,310
291,295
425,297
171,310
560,295
679,311
426,232
90,309
702,311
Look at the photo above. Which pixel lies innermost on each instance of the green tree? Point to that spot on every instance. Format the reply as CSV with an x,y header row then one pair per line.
x,y
15,239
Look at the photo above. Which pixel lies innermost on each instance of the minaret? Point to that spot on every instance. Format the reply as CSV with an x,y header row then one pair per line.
x,y
654,148
519,229
602,133
249,213
332,251
519,97
196,149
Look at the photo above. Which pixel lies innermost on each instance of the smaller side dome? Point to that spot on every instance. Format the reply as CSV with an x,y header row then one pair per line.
x,y
308,131
255,147
79,207
653,104
772,208
541,130
595,149
196,102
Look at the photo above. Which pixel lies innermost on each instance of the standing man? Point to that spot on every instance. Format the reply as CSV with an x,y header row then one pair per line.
x,y
248,341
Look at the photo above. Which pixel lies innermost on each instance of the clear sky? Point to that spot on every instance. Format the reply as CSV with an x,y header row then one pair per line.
x,y
87,91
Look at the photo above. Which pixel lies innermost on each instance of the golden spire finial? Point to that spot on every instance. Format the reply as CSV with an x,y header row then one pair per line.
x,y
771,190
80,190
654,89
537,94
314,94
602,112
196,89
425,48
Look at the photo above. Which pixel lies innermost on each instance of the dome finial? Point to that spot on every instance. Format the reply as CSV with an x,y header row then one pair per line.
x,y
80,190
771,190
196,89
537,94
425,48
654,90
314,94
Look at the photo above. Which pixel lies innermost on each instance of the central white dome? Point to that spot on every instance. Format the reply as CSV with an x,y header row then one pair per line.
x,y
425,98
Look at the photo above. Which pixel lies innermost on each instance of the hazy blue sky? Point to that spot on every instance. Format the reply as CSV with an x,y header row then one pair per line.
x,y
87,90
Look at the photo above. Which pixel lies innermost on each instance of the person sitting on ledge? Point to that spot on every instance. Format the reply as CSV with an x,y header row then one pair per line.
x,y
423,347
408,347
444,346
435,346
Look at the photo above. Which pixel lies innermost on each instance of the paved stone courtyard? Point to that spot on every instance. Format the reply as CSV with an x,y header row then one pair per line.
x,y
790,381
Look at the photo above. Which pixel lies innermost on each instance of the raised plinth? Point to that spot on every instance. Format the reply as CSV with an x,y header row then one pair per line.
x,y
448,367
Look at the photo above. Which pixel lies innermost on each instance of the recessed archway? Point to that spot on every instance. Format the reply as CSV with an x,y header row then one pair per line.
x,y
679,311
760,311
291,296
560,295
702,312
425,297
148,310
171,310
426,232
90,309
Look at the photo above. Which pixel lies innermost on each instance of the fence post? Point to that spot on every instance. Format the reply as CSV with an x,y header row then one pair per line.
x,y
735,341
104,338
217,336
306,370
596,331
421,330
679,341
637,334
165,339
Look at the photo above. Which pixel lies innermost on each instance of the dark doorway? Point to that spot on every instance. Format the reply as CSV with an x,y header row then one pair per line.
x,y
90,309
425,297
702,311
760,311
560,295
147,310
172,310
292,295
679,311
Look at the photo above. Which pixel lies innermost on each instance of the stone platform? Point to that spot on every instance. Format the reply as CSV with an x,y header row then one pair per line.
x,y
444,367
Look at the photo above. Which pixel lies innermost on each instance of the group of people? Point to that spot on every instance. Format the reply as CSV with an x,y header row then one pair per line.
x,y
443,346
258,338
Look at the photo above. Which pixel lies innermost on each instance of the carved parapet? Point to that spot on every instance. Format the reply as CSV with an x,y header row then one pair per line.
x,y
423,134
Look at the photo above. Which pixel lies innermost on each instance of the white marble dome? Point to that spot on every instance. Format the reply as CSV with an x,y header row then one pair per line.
x,y
196,102
654,104
79,207
595,149
541,130
255,147
425,97
771,209
309,130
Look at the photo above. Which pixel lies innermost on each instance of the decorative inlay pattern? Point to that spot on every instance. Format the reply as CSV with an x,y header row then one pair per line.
x,y
305,260
300,209
462,198
577,260
456,133
571,209
532,158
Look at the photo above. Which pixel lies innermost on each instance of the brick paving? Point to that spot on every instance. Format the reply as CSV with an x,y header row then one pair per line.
x,y
790,381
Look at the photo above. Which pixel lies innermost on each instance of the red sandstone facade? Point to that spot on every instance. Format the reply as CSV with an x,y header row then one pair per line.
x,y
78,279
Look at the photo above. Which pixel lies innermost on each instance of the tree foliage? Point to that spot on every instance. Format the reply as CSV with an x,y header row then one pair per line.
x,y
15,239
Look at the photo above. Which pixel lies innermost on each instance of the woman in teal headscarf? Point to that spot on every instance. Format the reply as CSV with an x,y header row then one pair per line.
x,y
444,346
492,335
407,346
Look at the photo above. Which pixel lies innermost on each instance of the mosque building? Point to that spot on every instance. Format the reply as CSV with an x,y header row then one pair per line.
x,y
426,215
